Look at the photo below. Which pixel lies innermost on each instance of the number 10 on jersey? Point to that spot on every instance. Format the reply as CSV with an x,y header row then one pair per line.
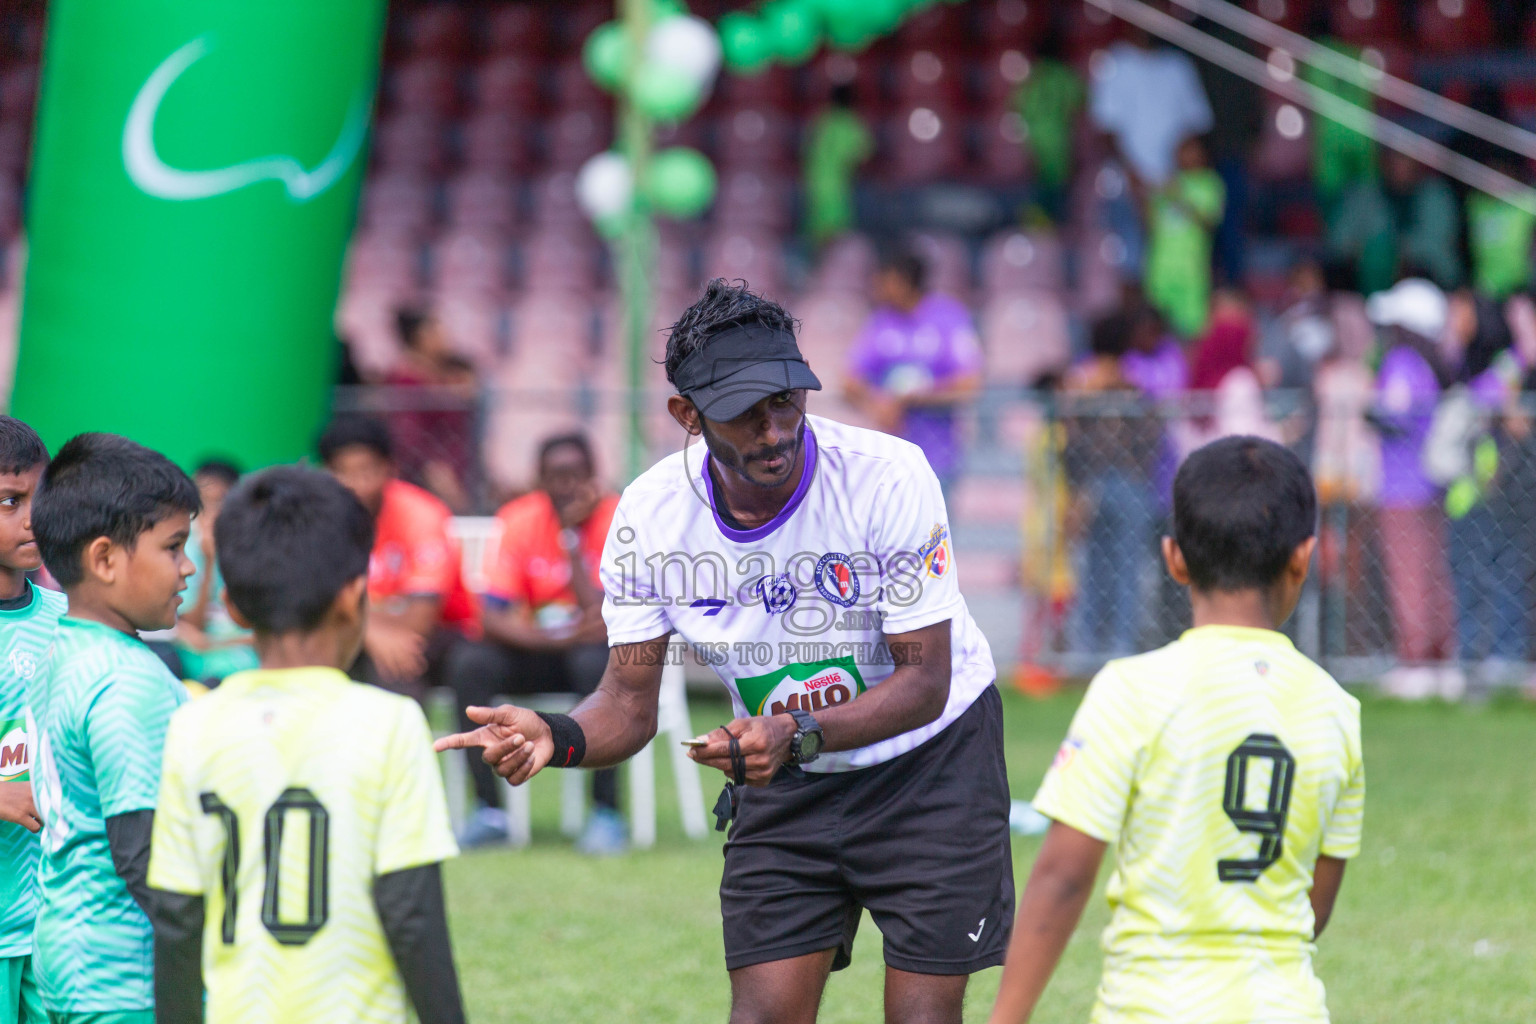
x,y
292,800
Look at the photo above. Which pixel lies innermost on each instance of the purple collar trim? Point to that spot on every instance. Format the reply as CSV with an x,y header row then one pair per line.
x,y
807,474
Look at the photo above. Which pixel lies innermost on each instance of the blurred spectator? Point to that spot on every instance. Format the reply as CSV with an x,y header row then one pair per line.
x,y
543,621
915,362
1237,119
1154,363
434,433
1147,99
211,644
1499,237
1409,220
1412,317
1112,443
1182,213
837,142
1228,391
1049,100
1302,335
1486,515
1341,157
419,608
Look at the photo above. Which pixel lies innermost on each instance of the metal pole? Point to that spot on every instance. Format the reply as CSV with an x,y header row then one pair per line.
x,y
636,246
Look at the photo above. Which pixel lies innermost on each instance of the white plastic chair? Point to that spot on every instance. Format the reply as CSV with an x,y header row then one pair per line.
x,y
476,537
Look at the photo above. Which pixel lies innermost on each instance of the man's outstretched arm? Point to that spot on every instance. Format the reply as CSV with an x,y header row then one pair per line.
x,y
1053,901
615,722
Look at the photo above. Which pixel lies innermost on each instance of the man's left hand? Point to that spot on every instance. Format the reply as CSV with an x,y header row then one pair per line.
x,y
764,746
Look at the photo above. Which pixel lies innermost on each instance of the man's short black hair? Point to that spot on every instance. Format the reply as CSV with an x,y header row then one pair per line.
x,y
908,264
408,324
20,447
575,439
222,470
723,305
103,485
352,430
288,540
1241,505
1110,335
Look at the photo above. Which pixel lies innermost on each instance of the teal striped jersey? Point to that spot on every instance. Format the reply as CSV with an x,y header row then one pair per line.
x,y
25,634
99,716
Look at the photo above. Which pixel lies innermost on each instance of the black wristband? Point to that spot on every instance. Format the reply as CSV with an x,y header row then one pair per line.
x,y
570,741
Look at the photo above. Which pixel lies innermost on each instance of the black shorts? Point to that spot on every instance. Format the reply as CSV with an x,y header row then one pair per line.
x,y
921,841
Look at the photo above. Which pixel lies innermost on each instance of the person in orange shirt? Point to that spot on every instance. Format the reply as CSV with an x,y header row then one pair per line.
x,y
543,621
419,606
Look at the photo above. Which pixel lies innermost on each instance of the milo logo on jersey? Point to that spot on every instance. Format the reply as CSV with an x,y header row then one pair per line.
x,y
13,750
810,686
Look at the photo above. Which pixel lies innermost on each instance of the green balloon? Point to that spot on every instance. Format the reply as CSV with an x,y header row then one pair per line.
x,y
605,55
665,93
680,182
745,43
792,25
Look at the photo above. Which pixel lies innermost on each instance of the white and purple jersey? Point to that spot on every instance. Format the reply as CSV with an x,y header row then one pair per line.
x,y
796,612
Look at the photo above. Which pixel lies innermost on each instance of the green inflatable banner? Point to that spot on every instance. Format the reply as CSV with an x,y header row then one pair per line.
x,y
194,180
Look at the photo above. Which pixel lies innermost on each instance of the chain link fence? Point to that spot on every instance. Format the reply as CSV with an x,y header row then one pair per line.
x,y
1429,587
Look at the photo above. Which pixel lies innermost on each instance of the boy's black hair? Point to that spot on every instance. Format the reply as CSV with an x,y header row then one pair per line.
x,y
1241,505
352,430
288,540
723,305
103,485
20,447
575,439
222,470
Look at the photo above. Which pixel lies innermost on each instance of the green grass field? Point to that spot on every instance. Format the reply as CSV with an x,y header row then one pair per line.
x,y
1436,922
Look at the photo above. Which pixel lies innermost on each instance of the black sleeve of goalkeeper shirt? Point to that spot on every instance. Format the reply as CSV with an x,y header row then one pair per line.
x,y
178,920
128,836
410,906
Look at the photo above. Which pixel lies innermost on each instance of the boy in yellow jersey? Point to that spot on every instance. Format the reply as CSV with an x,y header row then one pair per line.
x,y
301,820
1226,767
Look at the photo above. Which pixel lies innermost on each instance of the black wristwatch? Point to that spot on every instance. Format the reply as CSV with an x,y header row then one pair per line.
x,y
806,745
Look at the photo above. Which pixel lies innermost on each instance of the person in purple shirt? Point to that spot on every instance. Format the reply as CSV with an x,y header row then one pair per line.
x,y
915,361
1412,317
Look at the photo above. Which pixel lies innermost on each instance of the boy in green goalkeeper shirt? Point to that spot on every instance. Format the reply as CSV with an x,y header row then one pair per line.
x,y
111,519
1226,768
1182,216
28,615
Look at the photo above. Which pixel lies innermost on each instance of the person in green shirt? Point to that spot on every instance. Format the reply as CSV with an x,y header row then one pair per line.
x,y
1408,223
111,519
28,617
837,143
210,643
1049,100
1182,215
1499,238
1341,156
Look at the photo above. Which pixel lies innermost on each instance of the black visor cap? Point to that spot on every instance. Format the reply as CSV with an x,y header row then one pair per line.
x,y
739,367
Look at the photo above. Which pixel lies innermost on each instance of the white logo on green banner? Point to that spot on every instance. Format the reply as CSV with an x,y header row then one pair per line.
x,y
808,686
13,750
159,179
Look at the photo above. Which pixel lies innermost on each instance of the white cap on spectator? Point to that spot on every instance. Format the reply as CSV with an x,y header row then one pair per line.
x,y
1413,304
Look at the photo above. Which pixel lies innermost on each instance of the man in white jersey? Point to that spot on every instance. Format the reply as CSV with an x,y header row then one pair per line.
x,y
810,563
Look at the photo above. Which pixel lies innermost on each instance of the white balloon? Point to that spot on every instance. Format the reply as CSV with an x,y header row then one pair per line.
x,y
687,44
605,186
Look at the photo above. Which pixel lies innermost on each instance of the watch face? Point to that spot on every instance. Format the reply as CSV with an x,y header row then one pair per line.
x,y
810,745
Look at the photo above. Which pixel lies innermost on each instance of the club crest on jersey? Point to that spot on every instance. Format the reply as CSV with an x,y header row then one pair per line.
x,y
837,580
778,593
934,553
13,751
1066,752
23,663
